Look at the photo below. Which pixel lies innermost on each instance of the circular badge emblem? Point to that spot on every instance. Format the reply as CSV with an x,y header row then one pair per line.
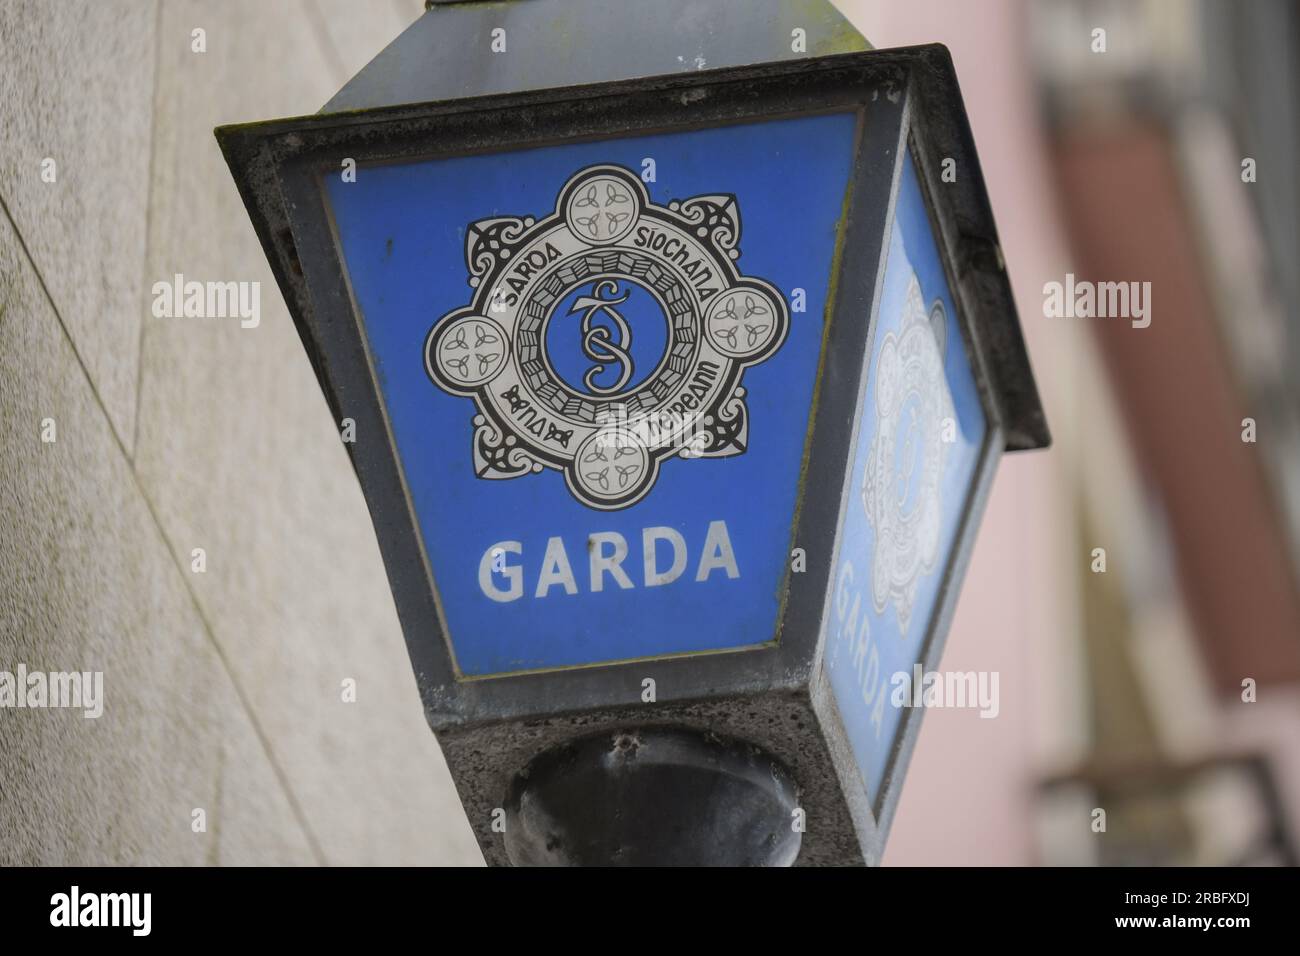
x,y
606,337
902,490
472,351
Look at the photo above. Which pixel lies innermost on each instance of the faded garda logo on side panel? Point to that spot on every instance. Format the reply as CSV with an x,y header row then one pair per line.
x,y
902,491
607,337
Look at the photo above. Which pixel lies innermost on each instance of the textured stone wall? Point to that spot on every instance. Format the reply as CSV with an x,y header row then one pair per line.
x,y
223,689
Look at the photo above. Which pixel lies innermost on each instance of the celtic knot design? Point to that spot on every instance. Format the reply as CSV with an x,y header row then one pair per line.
x,y
488,242
603,211
603,457
485,350
742,314
718,218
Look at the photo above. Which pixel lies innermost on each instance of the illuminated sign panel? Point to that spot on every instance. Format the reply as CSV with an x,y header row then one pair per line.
x,y
597,361
917,451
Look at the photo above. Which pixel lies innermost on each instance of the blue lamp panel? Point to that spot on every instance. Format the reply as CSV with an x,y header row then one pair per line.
x,y
916,454
598,362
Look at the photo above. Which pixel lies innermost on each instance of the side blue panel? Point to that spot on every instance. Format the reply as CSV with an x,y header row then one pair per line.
x,y
916,455
521,556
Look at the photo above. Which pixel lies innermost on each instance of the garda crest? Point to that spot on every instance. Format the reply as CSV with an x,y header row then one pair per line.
x,y
902,490
606,337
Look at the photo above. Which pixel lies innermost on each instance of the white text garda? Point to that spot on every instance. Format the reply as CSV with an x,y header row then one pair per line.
x,y
505,575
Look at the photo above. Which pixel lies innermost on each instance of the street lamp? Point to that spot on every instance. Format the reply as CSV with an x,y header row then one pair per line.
x,y
679,353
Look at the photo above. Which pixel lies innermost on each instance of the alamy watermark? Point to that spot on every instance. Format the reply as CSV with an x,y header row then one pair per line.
x,y
82,690
131,911
1081,299
190,299
673,427
946,689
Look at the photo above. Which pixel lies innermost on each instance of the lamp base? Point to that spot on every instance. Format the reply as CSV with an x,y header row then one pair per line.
x,y
653,797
